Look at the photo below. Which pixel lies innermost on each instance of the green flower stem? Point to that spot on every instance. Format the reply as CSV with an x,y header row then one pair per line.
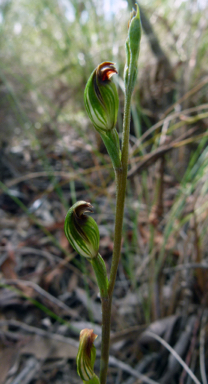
x,y
121,180
105,343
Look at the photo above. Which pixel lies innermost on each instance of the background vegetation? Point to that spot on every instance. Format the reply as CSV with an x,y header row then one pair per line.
x,y
50,157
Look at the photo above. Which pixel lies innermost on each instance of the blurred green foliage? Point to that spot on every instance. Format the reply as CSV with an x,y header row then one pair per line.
x,y
48,49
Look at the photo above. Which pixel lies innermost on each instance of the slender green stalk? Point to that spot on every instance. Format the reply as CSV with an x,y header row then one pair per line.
x,y
105,343
121,180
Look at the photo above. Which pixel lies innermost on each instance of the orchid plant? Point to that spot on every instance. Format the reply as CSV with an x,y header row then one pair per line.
x,y
101,101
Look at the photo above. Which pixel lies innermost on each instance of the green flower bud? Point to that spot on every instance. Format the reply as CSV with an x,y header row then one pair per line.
x,y
135,32
86,354
81,230
132,48
101,97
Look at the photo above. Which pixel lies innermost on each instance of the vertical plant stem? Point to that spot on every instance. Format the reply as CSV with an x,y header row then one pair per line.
x,y
105,344
121,179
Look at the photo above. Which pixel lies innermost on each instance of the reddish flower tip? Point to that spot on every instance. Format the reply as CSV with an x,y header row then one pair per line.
x,y
87,336
105,71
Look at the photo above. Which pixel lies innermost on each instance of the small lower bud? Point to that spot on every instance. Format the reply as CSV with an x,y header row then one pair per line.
x,y
86,354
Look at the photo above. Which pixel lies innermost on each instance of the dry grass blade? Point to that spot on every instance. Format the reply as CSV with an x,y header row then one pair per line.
x,y
126,368
175,354
150,158
202,348
40,332
166,120
185,266
188,94
42,292
28,372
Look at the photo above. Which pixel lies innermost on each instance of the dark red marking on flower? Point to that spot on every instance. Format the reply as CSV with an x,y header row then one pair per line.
x,y
105,71
89,337
79,217
82,208
106,74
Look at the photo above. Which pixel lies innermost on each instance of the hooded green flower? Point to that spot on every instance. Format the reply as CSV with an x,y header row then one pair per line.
x,y
101,97
82,230
86,354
